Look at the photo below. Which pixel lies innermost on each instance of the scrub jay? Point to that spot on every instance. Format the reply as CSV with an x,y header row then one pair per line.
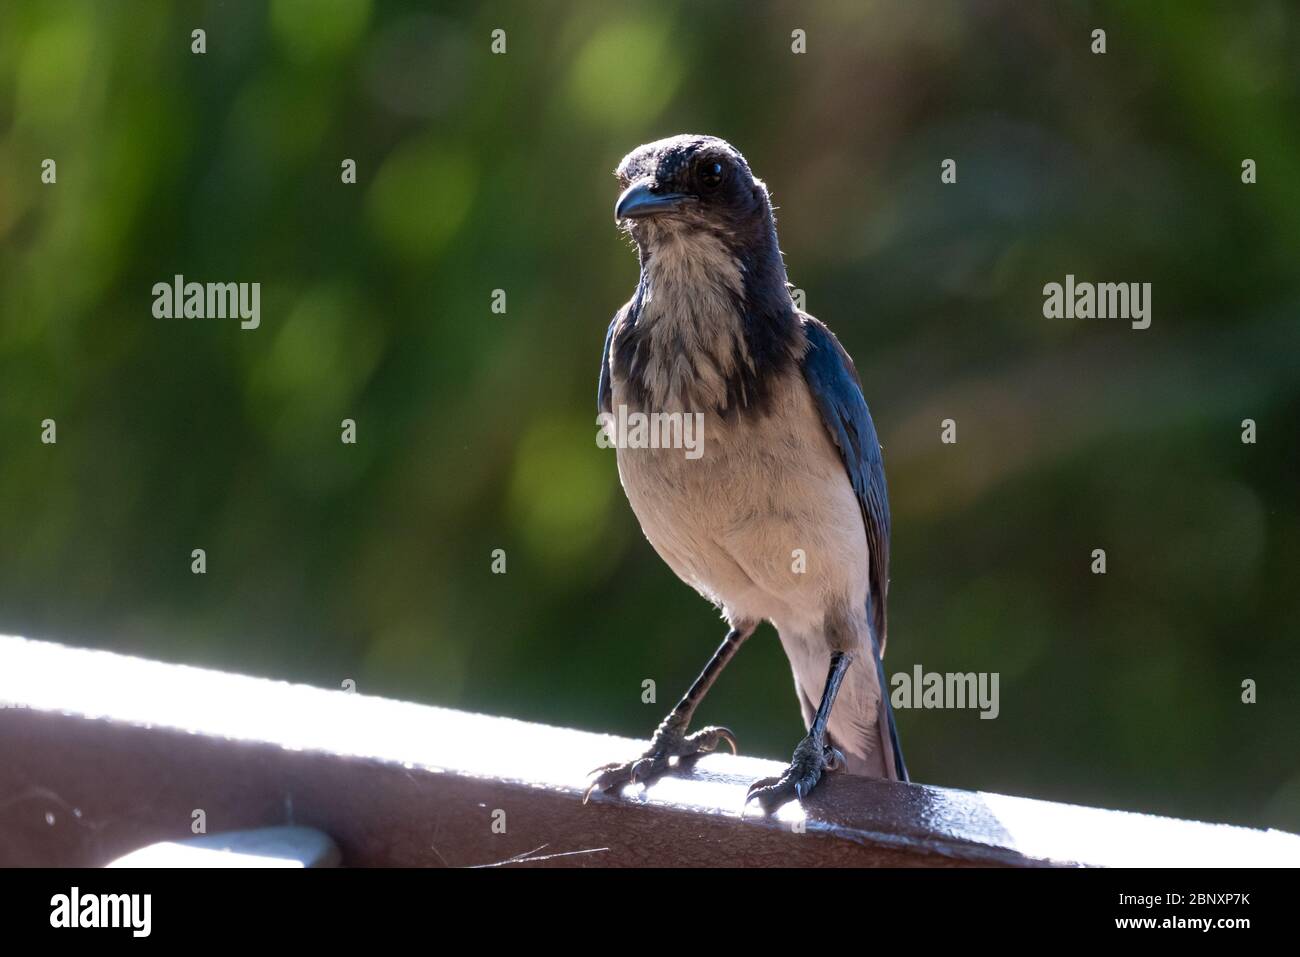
x,y
785,516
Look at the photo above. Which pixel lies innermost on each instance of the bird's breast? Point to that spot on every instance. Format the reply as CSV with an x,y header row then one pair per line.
x,y
683,345
759,516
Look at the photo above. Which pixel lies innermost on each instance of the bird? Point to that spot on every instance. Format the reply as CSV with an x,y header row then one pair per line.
x,y
783,515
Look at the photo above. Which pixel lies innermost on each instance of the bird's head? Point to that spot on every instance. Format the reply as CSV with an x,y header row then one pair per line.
x,y
713,287
687,184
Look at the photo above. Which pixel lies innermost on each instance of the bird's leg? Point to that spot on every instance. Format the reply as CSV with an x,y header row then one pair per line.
x,y
670,739
811,756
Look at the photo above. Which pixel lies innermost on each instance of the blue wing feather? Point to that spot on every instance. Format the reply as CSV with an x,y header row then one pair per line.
x,y
604,387
837,390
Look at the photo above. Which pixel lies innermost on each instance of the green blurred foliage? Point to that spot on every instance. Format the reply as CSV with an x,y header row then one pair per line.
x,y
476,431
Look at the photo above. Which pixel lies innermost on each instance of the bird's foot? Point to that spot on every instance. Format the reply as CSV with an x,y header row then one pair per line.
x,y
669,741
811,759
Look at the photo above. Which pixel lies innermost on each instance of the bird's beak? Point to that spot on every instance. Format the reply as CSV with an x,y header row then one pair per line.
x,y
640,199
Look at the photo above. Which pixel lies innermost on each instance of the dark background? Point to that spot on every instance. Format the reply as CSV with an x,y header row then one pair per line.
x,y
477,431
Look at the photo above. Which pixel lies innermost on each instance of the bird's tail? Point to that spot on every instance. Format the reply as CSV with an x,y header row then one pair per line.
x,y
887,714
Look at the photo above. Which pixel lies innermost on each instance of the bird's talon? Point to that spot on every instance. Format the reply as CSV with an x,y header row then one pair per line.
x,y
834,759
707,739
797,782
668,743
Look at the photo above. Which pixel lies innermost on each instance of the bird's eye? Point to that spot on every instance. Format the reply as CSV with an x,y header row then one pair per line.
x,y
712,174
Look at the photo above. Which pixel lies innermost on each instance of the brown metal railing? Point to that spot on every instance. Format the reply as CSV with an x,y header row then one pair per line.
x,y
101,754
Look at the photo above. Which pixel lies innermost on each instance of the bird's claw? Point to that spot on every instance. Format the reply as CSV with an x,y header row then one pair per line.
x,y
708,738
834,759
667,743
810,761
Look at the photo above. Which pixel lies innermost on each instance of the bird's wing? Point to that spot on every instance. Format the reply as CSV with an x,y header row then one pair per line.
x,y
837,391
604,386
